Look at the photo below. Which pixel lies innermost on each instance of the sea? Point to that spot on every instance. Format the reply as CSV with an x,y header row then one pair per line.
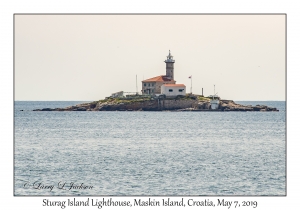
x,y
148,153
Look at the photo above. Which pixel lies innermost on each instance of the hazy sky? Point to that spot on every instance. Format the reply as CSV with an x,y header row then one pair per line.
x,y
88,57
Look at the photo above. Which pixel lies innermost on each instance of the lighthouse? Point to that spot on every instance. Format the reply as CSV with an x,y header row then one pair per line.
x,y
154,85
170,66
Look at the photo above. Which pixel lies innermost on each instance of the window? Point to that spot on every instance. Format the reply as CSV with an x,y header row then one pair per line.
x,y
181,90
170,90
145,84
144,91
152,91
149,85
152,84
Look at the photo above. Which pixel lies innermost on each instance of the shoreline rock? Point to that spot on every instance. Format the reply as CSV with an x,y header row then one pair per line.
x,y
183,103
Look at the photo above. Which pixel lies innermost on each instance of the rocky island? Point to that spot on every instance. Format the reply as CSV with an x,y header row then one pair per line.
x,y
189,102
161,93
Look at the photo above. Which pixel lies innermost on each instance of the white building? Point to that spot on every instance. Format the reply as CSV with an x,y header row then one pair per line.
x,y
173,89
214,103
117,94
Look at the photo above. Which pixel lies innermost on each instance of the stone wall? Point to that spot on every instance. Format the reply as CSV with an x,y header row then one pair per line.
x,y
171,104
152,105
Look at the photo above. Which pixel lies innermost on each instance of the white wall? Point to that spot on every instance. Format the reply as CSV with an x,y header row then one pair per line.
x,y
214,104
165,90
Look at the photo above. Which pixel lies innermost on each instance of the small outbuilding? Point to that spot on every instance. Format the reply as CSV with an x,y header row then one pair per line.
x,y
117,94
214,103
173,89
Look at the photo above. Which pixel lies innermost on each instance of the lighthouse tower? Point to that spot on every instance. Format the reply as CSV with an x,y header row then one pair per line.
x,y
170,66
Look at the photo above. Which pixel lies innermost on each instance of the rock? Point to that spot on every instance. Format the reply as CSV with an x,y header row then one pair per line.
x,y
160,104
256,108
47,109
203,105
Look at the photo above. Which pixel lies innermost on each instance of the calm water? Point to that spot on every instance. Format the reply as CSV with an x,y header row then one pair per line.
x,y
149,153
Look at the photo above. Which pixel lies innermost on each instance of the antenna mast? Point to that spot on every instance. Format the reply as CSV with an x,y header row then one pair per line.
x,y
136,84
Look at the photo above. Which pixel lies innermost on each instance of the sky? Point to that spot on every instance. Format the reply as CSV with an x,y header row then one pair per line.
x,y
88,57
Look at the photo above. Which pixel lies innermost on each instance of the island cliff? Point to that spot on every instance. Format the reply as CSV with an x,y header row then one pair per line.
x,y
160,103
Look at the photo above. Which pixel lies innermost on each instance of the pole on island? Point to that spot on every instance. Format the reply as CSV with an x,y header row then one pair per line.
x,y
191,85
190,77
136,84
214,93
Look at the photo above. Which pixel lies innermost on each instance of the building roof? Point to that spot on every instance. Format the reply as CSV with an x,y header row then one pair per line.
x,y
174,85
161,78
